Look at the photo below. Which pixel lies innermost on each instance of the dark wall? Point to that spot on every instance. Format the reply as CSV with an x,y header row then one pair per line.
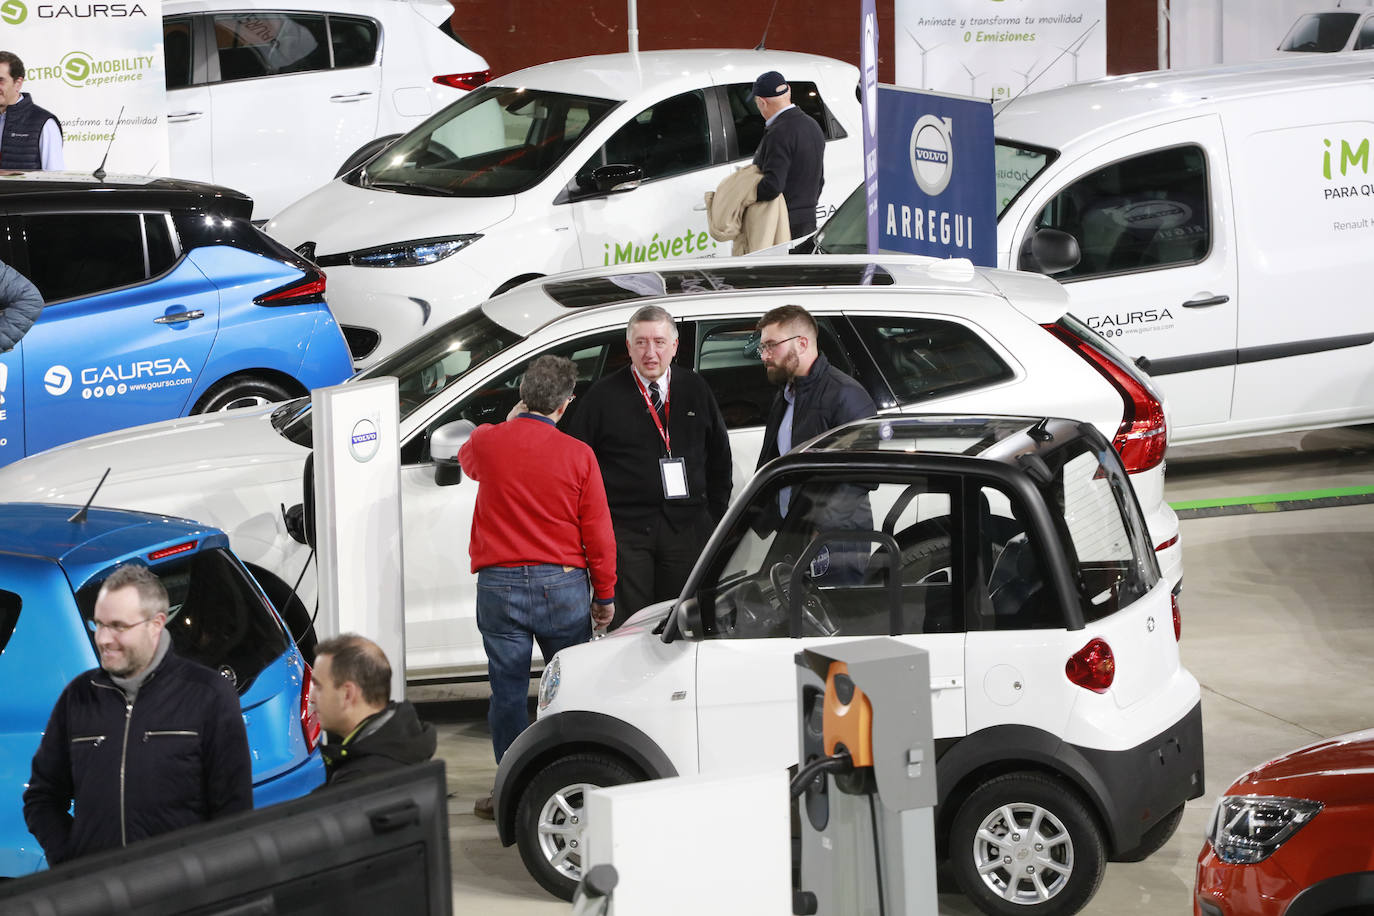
x,y
512,34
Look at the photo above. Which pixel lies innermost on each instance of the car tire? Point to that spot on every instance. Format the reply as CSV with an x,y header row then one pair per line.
x,y
242,391
1154,838
548,818
1050,830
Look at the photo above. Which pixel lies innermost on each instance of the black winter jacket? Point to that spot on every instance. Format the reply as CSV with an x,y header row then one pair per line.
x,y
791,157
177,756
20,147
393,738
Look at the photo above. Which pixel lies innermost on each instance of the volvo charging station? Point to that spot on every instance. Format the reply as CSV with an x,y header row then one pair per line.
x,y
866,782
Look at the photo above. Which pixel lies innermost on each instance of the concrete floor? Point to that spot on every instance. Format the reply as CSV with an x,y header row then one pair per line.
x,y
1276,627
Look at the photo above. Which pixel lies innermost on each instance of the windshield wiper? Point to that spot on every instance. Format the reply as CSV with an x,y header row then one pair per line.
x,y
415,187
288,411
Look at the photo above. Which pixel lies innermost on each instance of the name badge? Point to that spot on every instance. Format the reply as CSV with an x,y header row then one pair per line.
x,y
674,471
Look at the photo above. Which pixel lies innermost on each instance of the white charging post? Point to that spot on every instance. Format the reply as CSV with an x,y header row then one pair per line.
x,y
358,517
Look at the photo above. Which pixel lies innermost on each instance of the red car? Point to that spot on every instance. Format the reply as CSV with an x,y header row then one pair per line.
x,y
1292,836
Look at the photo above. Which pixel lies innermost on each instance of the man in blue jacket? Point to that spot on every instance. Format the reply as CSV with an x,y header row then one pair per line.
x,y
147,743
791,154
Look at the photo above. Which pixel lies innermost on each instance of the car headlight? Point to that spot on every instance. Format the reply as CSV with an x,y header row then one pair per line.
x,y
410,254
549,681
1246,829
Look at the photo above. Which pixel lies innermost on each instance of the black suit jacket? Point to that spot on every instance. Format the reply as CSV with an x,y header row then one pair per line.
x,y
791,157
613,418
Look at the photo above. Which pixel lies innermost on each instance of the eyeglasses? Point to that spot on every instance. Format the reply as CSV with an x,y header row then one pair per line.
x,y
771,345
119,629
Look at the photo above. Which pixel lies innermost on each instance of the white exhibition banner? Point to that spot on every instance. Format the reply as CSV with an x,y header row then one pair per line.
x,y
85,61
993,49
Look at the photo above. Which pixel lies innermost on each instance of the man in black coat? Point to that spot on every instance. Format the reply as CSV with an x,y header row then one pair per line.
x,y
368,733
664,454
791,155
147,743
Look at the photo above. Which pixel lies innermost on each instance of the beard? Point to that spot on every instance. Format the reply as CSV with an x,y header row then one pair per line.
x,y
780,373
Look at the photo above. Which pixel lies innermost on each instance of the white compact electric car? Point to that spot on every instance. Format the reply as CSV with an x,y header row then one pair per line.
x,y
1011,549
273,98
576,163
918,333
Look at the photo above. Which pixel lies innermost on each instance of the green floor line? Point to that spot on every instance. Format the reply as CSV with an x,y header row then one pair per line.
x,y
1275,502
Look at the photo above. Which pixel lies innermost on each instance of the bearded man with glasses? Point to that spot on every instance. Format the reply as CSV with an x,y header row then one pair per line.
x,y
144,744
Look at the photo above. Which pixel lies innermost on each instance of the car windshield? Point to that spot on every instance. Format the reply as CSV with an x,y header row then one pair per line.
x,y
422,368
846,231
1320,32
1017,165
495,141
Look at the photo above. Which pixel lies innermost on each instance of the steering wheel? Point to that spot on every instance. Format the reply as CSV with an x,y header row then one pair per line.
x,y
815,618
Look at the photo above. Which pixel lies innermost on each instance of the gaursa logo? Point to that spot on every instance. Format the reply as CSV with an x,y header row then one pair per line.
x,y
58,380
13,12
89,10
932,153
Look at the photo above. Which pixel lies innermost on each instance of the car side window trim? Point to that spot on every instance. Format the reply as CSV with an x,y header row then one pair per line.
x,y
141,215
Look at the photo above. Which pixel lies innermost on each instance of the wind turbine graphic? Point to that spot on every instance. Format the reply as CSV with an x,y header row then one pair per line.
x,y
1025,74
1076,46
972,79
924,51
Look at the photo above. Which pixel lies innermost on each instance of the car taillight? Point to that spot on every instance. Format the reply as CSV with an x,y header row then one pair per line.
x,y
1092,667
172,551
310,721
1178,617
1142,438
463,80
308,290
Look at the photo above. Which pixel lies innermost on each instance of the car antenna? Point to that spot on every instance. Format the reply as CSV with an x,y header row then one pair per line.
x,y
766,26
99,173
79,515
1073,44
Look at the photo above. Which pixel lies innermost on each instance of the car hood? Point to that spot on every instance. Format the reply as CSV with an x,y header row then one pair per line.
x,y
341,217
152,467
1336,771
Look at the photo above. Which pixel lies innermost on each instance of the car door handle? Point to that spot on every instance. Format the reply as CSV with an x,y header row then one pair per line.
x,y
177,117
180,317
1203,303
350,97
946,683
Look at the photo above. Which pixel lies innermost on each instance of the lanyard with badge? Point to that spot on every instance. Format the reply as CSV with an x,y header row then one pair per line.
x,y
673,470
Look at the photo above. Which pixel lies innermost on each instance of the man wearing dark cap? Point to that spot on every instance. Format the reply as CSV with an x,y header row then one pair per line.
x,y
791,155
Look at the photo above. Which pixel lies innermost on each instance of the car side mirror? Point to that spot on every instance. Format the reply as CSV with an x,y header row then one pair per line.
x,y
611,179
687,614
1049,251
444,443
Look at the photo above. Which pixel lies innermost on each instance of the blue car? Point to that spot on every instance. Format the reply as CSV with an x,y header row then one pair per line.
x,y
162,300
51,568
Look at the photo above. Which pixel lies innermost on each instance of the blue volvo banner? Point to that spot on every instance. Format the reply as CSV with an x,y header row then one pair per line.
x,y
937,183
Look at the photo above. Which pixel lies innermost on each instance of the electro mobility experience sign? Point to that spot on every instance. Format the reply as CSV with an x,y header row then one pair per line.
x,y
937,183
84,61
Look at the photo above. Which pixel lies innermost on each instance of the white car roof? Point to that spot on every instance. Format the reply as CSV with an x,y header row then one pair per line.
x,y
1060,118
373,8
661,73
529,307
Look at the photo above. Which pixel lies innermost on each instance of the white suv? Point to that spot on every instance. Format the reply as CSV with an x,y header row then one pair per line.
x,y
1012,549
271,98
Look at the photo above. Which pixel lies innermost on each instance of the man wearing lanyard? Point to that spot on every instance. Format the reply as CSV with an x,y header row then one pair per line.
x,y
664,454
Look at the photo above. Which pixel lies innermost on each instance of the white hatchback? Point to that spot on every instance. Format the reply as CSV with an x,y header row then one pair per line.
x,y
577,163
273,98
918,333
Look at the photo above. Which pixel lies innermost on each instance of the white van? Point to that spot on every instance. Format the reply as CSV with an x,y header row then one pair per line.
x,y
1224,221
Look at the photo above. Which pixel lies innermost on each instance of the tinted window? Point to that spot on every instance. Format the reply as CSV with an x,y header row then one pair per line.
x,y
1320,32
1015,594
749,124
176,52
1366,37
729,362
216,615
254,44
162,247
354,41
924,358
665,139
826,566
1137,214
111,247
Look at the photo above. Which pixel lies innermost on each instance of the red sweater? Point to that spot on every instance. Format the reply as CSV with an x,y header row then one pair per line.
x,y
540,500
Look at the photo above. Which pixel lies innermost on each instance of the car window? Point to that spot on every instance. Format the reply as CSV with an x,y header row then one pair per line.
x,y
1141,213
216,616
254,44
176,52
728,359
824,565
749,124
112,246
1015,593
1320,32
925,357
10,604
354,41
595,357
1366,36
667,138
1017,165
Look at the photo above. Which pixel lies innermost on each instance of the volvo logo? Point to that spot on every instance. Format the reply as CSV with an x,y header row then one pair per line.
x,y
932,153
362,442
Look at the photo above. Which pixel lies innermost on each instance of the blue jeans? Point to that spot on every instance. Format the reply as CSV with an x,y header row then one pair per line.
x,y
517,605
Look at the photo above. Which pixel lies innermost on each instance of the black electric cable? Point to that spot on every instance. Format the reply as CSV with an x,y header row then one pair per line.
x,y
840,762
877,854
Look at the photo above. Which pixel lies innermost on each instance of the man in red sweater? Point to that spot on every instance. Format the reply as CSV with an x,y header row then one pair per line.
x,y
540,524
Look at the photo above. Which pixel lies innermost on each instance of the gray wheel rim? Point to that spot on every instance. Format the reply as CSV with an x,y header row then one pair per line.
x,y
247,400
560,829
1023,853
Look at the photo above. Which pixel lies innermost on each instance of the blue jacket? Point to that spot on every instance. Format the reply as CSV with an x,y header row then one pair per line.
x,y
177,756
20,306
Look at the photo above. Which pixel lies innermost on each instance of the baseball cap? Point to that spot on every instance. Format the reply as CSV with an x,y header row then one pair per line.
x,y
769,85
